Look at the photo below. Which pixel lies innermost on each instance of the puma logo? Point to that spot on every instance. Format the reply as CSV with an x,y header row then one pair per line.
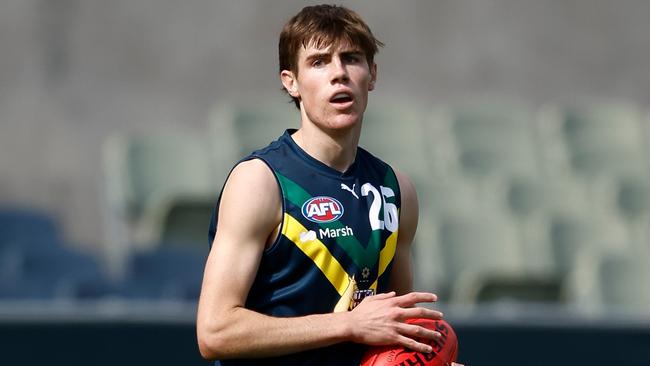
x,y
351,190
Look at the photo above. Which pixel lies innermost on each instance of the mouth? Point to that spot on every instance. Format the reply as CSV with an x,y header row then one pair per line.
x,y
342,99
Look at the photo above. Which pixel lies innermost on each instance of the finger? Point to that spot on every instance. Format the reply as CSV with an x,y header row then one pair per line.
x,y
382,296
414,345
419,312
418,332
413,298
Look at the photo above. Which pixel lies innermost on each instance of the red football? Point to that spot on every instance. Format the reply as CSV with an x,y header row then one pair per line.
x,y
444,349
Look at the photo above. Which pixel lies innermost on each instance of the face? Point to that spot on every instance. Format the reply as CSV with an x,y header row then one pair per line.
x,y
332,85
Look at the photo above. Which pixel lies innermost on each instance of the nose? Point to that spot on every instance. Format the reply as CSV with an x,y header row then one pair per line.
x,y
339,72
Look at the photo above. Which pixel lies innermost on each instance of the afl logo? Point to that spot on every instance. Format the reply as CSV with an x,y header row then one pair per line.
x,y
322,209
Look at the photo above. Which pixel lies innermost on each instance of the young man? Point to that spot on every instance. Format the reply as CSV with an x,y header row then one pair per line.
x,y
310,226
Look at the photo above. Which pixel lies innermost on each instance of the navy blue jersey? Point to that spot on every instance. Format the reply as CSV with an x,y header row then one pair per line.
x,y
336,244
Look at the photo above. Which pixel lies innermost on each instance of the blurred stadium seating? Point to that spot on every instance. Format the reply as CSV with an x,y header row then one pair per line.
x,y
624,279
37,263
172,273
236,130
149,181
516,204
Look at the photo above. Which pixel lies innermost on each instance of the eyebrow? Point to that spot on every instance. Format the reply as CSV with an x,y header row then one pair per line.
x,y
315,56
353,52
348,52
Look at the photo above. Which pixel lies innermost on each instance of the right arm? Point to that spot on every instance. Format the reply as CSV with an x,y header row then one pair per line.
x,y
250,212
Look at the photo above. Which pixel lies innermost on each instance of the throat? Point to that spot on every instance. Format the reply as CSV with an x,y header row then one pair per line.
x,y
338,155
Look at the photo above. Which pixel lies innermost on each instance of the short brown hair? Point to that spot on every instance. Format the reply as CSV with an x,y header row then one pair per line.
x,y
324,25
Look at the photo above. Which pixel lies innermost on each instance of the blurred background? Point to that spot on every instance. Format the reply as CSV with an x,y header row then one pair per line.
x,y
524,124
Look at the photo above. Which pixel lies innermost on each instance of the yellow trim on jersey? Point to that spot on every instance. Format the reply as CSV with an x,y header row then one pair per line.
x,y
323,258
386,256
318,252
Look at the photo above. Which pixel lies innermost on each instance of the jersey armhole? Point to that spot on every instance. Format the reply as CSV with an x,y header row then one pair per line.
x,y
274,244
215,213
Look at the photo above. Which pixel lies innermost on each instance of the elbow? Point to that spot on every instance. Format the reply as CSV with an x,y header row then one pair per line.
x,y
209,345
212,342
207,337
207,352
216,336
205,349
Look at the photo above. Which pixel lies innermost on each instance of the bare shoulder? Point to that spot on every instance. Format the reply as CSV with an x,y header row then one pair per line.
x,y
409,211
251,197
407,189
252,173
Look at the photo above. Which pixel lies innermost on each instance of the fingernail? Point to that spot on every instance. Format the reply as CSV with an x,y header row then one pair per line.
x,y
429,349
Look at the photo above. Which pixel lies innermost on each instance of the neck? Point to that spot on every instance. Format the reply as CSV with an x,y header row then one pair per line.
x,y
336,149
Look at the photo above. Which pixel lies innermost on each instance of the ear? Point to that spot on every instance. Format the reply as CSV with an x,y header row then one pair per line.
x,y
290,83
373,77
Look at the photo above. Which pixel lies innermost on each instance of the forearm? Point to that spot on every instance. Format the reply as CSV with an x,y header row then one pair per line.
x,y
247,334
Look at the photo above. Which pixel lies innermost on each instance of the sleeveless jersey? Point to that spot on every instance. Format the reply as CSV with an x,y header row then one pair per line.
x,y
336,243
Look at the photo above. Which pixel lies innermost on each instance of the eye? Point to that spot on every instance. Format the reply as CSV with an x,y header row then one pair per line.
x,y
317,62
351,59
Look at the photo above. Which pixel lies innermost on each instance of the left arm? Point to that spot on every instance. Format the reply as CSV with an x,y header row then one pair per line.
x,y
401,277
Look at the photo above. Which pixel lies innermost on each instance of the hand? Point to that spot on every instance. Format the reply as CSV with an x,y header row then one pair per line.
x,y
379,320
